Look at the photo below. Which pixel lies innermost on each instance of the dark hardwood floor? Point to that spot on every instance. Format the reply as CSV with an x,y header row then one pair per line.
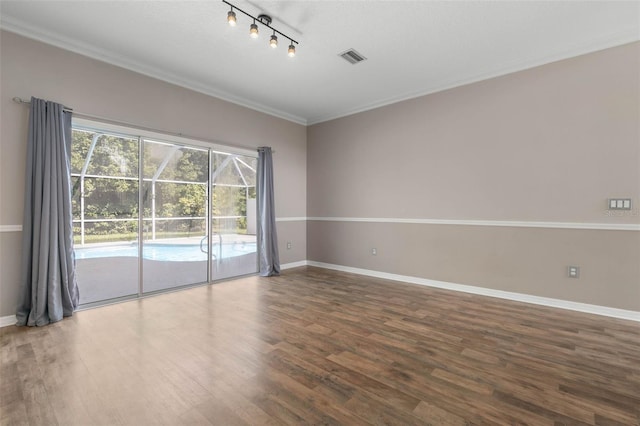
x,y
321,347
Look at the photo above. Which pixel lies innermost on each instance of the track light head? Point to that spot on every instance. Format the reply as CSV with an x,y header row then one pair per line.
x,y
231,18
274,41
253,30
292,50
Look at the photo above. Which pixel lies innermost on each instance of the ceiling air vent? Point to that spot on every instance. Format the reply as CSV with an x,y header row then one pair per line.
x,y
352,56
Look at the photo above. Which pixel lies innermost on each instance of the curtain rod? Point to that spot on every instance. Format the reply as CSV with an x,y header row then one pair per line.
x,y
22,101
19,100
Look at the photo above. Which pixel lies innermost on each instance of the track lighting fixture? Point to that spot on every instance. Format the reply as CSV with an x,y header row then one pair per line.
x,y
253,28
231,18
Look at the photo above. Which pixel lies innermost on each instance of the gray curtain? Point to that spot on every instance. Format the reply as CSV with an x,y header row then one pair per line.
x,y
267,237
49,290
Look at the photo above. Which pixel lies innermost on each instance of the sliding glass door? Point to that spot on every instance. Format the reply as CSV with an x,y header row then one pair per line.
x,y
233,215
104,173
174,200
150,215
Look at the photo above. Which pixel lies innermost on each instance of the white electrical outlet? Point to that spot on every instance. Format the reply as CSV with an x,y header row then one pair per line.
x,y
573,271
374,251
288,245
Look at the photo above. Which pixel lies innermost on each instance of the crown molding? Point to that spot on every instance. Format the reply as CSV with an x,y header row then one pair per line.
x,y
591,46
21,28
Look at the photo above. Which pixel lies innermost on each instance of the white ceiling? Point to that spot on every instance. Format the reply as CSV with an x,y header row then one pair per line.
x,y
413,47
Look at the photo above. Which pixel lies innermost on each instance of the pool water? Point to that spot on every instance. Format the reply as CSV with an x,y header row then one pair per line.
x,y
167,252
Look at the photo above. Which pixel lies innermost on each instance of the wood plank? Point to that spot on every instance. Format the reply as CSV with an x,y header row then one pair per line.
x,y
314,346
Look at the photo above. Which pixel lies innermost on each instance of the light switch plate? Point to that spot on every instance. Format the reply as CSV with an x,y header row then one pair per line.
x,y
619,204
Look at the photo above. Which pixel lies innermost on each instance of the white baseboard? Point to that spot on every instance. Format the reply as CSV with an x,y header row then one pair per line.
x,y
537,300
519,297
294,265
7,321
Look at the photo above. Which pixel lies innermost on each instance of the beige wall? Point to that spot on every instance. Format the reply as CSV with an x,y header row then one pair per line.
x,y
549,144
29,68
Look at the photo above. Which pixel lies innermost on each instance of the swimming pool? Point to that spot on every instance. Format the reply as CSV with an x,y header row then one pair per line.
x,y
166,252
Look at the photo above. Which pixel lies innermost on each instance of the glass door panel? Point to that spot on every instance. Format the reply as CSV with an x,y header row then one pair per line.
x,y
233,215
174,215
104,173
174,201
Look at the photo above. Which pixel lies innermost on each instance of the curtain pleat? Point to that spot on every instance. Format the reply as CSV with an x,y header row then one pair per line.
x,y
267,235
49,289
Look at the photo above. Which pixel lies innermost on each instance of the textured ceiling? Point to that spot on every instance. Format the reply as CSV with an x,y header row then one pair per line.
x,y
413,47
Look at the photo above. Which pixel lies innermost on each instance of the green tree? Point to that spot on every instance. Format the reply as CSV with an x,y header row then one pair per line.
x,y
111,186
